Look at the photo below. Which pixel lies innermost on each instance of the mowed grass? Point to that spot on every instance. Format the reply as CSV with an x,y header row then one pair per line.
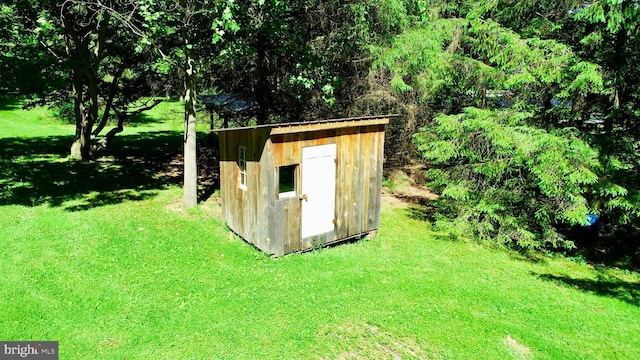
x,y
115,270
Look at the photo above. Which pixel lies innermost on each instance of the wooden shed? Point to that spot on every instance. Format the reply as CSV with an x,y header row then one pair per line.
x,y
293,187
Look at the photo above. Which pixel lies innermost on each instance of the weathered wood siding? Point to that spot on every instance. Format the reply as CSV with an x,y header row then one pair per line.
x,y
285,222
359,180
274,225
246,210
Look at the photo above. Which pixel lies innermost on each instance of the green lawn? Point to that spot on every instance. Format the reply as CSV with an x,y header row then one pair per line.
x,y
112,269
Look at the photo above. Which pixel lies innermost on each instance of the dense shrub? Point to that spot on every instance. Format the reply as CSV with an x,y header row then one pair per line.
x,y
506,180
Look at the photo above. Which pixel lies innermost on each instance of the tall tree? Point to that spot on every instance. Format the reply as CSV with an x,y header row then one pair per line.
x,y
604,33
86,44
272,60
503,170
185,32
304,59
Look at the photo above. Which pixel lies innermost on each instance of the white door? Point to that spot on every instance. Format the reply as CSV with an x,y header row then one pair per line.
x,y
318,189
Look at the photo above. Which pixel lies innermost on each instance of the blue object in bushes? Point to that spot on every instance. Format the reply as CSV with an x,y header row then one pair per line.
x,y
587,235
593,220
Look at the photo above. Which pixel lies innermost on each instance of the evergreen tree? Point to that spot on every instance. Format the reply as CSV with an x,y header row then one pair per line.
x,y
504,149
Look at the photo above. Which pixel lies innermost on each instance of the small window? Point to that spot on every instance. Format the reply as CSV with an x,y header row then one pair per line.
x,y
242,166
287,181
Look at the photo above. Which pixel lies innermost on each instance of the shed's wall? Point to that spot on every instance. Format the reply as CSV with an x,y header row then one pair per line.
x,y
286,218
274,225
246,211
358,182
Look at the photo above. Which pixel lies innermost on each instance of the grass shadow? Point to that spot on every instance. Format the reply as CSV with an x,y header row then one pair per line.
x,y
35,171
607,243
422,212
604,285
621,250
427,210
140,120
134,121
208,165
8,103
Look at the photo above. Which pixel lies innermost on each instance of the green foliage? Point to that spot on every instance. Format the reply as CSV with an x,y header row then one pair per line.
x,y
416,57
29,62
65,112
618,192
615,15
508,106
451,63
508,181
391,15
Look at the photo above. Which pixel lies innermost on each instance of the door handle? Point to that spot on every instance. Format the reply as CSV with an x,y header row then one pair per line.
x,y
303,197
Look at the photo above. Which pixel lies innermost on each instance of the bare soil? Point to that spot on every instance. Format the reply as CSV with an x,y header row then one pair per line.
x,y
408,188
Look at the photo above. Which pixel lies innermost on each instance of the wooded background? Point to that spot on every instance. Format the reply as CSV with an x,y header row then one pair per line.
x,y
524,113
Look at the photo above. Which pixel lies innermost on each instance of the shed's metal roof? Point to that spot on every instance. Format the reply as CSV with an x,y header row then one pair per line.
x,y
233,103
296,127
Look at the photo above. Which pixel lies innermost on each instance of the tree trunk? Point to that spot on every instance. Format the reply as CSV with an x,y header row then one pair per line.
x,y
109,103
80,148
262,89
190,187
78,107
85,55
84,85
77,52
618,90
103,143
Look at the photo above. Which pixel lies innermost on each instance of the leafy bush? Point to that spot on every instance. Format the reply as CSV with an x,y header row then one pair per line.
x,y
507,181
65,112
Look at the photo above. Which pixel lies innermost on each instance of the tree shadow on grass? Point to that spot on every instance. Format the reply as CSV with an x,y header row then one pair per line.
x,y
35,171
141,119
604,285
427,209
422,212
9,103
131,122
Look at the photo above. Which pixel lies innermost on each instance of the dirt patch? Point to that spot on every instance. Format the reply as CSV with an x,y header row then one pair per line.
x,y
171,166
389,200
519,351
357,340
405,187
415,195
409,196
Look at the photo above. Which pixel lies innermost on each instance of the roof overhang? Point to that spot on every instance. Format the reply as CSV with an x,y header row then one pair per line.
x,y
300,127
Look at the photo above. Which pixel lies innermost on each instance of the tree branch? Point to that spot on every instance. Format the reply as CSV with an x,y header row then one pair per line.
x,y
108,105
